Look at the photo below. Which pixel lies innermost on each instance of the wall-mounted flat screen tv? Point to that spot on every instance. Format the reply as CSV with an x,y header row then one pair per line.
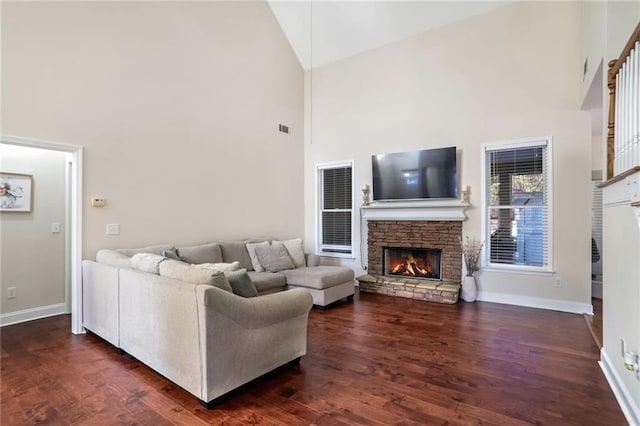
x,y
428,173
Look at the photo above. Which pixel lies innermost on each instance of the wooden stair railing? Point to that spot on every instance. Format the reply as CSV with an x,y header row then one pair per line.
x,y
623,137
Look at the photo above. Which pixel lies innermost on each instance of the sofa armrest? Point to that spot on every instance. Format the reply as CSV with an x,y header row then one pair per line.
x,y
256,312
313,260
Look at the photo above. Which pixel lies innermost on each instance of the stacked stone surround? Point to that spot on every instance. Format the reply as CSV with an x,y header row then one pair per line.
x,y
430,234
433,291
443,235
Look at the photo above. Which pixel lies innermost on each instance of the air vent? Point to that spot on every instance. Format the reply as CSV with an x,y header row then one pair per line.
x,y
283,128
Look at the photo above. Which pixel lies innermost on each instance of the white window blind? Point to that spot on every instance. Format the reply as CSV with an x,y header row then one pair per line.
x,y
517,204
335,216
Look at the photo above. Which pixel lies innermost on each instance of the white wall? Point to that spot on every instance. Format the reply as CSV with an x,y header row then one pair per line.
x,y
621,291
592,40
508,74
177,106
33,258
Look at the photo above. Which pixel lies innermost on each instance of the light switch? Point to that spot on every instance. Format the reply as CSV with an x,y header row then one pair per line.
x,y
55,228
113,229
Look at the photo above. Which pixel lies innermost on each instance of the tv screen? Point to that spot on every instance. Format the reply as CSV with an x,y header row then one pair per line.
x,y
428,173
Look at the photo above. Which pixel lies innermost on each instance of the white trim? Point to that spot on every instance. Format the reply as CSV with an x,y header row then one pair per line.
x,y
629,407
547,142
623,191
75,227
450,210
517,269
536,302
335,165
516,143
32,314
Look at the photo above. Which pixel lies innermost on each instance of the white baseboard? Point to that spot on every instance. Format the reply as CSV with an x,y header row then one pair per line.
x,y
627,404
536,302
32,314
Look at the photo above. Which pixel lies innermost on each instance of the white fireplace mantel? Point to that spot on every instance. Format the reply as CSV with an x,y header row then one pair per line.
x,y
452,210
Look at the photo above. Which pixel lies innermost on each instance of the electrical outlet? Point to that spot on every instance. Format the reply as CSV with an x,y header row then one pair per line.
x,y
558,282
11,293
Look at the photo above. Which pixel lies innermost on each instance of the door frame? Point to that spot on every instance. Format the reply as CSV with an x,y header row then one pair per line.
x,y
75,228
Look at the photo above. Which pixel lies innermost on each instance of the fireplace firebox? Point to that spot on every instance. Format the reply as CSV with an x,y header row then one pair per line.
x,y
423,263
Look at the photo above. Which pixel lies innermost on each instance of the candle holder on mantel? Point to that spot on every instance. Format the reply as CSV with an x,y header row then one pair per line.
x,y
465,195
365,195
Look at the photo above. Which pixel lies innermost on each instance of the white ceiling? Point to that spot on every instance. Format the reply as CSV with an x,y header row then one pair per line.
x,y
325,31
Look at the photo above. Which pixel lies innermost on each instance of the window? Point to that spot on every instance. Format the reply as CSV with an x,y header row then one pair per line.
x,y
517,205
335,213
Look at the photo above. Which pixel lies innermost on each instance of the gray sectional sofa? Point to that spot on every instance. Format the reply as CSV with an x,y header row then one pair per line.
x,y
190,328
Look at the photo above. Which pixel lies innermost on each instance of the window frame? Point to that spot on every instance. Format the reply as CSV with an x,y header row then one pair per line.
x,y
547,268
320,167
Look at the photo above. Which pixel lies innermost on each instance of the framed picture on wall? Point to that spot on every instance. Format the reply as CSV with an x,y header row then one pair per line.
x,y
15,192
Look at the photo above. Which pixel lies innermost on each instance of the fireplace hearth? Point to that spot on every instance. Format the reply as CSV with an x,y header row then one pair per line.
x,y
421,263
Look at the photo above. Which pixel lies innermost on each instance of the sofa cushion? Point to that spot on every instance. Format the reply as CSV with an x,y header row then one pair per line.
x,y
204,253
183,271
241,283
266,282
274,258
157,249
233,251
147,262
251,249
295,249
219,267
113,258
319,277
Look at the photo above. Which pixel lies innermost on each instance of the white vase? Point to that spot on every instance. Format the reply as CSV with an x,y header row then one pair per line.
x,y
469,288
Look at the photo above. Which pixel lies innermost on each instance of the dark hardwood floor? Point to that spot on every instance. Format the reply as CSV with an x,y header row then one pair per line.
x,y
594,322
377,361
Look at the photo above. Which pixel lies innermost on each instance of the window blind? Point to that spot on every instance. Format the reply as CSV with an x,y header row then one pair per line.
x,y
517,203
336,210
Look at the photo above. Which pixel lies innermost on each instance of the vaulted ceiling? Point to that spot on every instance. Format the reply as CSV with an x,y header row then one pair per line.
x,y
321,32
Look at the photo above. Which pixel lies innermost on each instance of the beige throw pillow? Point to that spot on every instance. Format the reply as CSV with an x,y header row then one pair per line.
x,y
295,249
251,248
183,271
274,258
219,267
147,262
113,258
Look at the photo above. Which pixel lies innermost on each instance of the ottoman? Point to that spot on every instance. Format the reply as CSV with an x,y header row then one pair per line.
x,y
327,284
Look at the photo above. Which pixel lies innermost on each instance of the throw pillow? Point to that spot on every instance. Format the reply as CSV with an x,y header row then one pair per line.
x,y
235,251
251,248
241,283
147,262
183,271
274,258
219,267
204,253
295,249
113,258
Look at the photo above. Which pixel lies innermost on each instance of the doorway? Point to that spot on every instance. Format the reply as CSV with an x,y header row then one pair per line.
x,y
73,237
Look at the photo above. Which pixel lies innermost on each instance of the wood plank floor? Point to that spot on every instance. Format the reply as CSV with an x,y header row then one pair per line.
x,y
377,361
594,322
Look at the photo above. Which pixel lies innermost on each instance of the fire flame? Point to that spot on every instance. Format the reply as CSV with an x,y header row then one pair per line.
x,y
410,267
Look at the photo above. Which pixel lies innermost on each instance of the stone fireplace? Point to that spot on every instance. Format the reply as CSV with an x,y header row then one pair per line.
x,y
414,252
430,235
